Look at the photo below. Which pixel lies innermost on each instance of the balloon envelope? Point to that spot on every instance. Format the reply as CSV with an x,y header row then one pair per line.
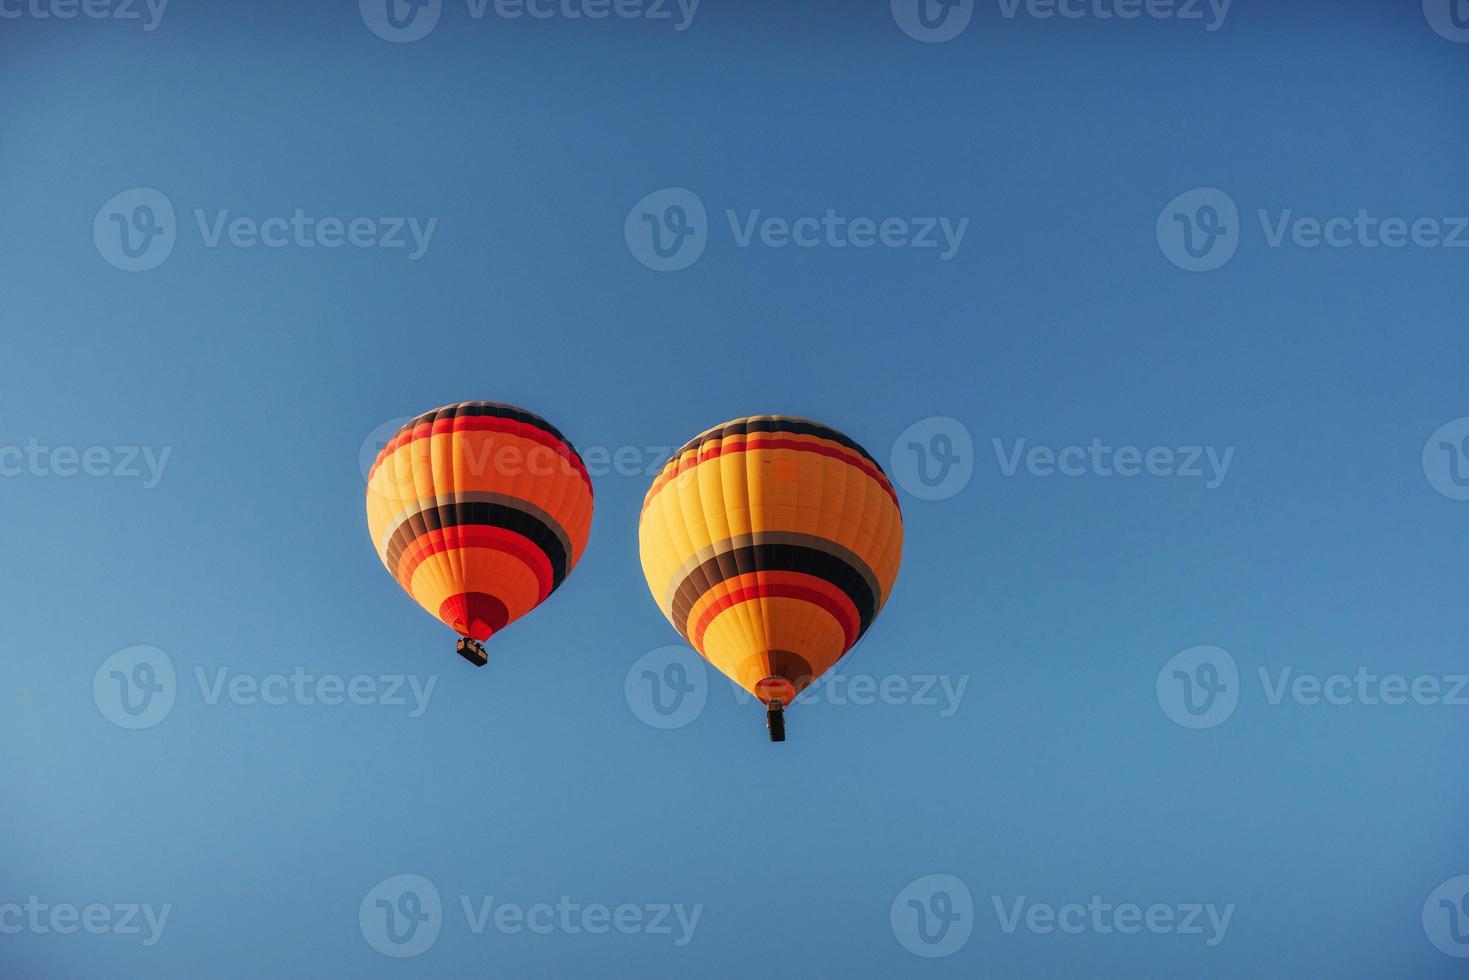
x,y
771,543
479,510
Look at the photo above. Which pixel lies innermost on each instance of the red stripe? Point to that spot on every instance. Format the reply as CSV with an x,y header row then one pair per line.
x,y
722,447
844,613
477,536
483,423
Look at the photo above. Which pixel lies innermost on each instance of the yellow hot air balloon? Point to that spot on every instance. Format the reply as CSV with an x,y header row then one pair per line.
x,y
771,543
479,510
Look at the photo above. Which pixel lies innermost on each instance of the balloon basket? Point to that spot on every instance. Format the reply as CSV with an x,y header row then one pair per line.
x,y
473,651
775,720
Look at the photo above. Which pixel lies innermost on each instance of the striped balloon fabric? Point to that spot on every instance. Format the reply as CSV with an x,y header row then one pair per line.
x,y
771,543
479,510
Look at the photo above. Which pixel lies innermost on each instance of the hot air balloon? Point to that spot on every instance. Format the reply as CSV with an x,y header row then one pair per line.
x,y
479,510
771,543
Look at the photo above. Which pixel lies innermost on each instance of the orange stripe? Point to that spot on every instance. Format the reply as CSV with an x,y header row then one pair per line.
x,y
476,536
841,609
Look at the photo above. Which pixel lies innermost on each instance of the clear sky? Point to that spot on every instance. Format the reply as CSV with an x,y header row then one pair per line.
x,y
1065,768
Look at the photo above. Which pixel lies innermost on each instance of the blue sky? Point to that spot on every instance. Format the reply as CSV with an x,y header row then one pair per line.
x,y
212,409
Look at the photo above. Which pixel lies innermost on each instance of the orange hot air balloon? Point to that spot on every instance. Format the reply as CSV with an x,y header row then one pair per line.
x,y
771,543
479,510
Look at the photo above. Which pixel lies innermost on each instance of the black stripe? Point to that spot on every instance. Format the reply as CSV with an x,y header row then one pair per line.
x,y
778,424
774,558
498,410
480,512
